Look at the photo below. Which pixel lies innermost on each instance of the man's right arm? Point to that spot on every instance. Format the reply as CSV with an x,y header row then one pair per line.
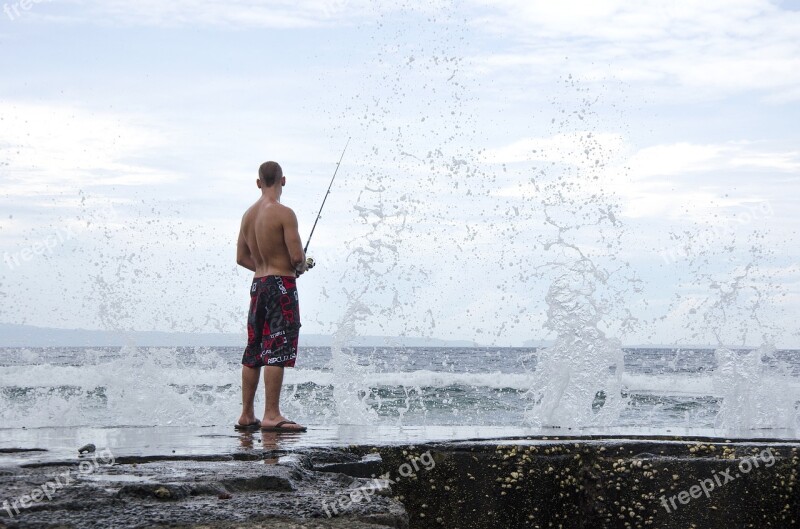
x,y
243,256
291,236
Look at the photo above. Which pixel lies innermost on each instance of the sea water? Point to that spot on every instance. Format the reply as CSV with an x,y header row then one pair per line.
x,y
742,392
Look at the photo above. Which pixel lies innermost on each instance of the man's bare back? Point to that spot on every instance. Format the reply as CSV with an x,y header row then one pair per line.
x,y
269,241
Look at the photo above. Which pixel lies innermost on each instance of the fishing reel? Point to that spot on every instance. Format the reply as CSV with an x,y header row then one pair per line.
x,y
309,265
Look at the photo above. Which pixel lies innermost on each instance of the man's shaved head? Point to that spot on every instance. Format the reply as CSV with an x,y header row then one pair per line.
x,y
270,173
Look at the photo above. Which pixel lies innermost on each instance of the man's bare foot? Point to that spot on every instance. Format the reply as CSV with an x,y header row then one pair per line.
x,y
282,424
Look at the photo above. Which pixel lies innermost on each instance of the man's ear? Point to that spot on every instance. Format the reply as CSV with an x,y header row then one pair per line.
x,y
258,183
283,181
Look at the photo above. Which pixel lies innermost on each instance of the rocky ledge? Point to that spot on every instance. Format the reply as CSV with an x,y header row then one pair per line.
x,y
218,491
587,482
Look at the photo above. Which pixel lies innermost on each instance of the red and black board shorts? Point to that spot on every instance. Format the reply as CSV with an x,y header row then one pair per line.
x,y
273,324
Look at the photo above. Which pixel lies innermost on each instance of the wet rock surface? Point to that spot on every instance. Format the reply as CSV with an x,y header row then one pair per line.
x,y
586,482
256,490
602,483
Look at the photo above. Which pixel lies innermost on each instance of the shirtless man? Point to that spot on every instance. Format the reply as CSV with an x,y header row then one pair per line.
x,y
269,245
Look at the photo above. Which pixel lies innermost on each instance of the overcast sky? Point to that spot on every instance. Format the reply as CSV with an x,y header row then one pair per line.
x,y
635,161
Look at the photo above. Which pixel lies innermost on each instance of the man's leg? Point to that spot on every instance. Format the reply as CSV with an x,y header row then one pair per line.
x,y
250,377
273,381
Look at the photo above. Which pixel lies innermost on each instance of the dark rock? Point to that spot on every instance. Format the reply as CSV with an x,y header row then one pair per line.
x,y
157,491
186,492
576,483
87,449
365,467
260,483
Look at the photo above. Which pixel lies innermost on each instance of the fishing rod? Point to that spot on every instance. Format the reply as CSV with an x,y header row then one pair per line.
x,y
310,261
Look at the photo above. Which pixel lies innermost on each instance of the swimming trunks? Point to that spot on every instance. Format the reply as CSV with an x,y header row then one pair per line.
x,y
273,324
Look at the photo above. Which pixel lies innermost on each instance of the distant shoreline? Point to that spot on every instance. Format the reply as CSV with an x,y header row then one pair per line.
x,y
14,335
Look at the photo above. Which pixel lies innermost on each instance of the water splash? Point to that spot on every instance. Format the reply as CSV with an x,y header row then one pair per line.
x,y
351,381
737,303
577,381
129,387
757,392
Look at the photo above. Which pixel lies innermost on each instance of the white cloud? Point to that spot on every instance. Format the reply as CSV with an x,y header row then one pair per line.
x,y
561,148
694,181
46,147
678,159
709,48
682,180
674,159
232,14
621,20
715,47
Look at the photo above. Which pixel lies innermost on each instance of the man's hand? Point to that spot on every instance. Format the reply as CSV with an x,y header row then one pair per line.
x,y
305,267
301,269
